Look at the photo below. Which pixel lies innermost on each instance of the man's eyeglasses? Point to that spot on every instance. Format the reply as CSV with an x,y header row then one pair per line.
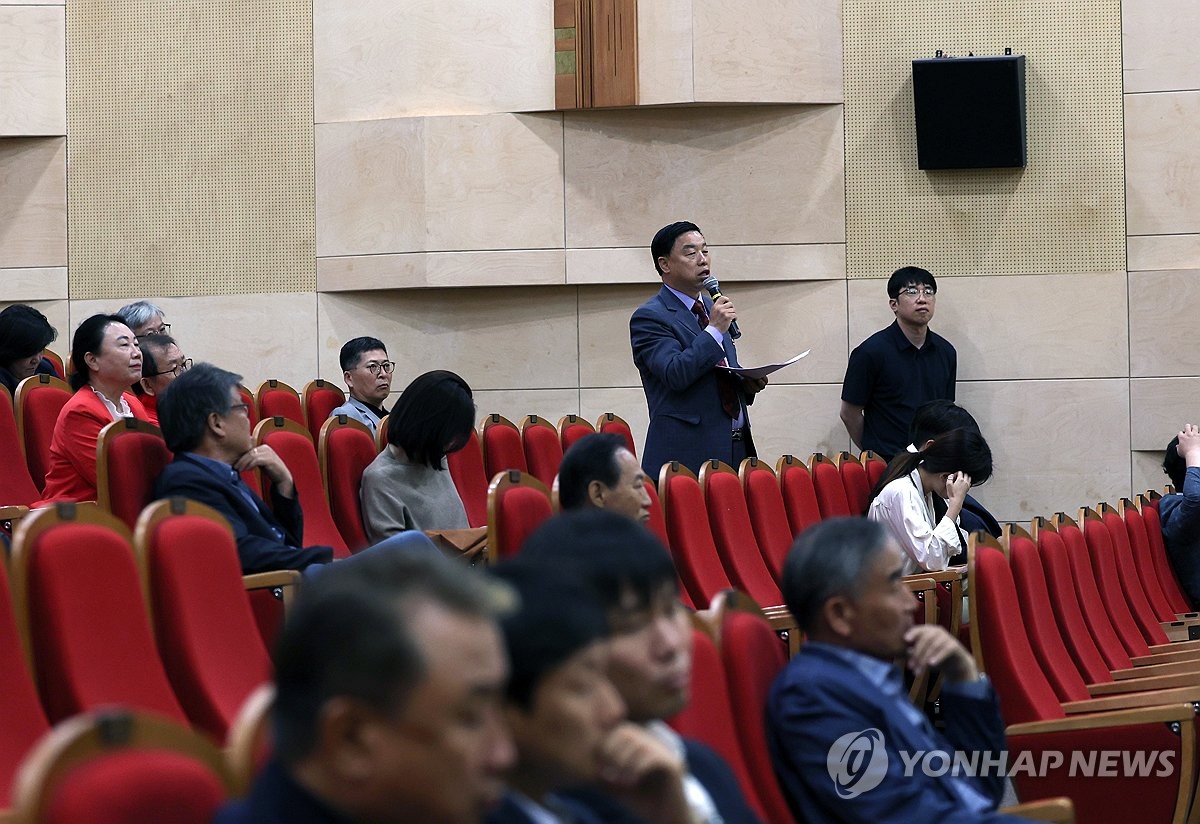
x,y
177,371
243,407
913,291
374,366
165,329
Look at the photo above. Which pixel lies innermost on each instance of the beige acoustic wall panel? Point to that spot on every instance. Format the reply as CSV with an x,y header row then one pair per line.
x,y
1162,324
784,261
190,126
1160,44
1162,136
760,175
439,184
1063,213
1159,407
379,59
33,62
33,202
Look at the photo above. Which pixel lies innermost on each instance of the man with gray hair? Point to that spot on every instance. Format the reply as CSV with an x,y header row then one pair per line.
x,y
841,704
389,679
144,318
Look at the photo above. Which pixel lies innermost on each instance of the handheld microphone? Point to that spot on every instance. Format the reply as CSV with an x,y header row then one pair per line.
x,y
714,291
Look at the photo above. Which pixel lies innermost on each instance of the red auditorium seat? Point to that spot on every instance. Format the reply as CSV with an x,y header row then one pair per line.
x,y
16,486
768,516
733,535
1162,563
320,398
78,601
855,482
470,479
249,746
381,434
1143,558
120,767
571,428
204,627
799,495
691,541
517,505
875,466
251,404
608,422
130,455
345,449
38,401
827,482
277,399
542,448
501,443
60,369
292,442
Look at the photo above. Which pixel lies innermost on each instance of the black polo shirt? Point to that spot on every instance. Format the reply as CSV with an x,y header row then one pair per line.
x,y
889,378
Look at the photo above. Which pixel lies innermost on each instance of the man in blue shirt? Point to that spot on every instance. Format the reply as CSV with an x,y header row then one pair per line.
x,y
1180,512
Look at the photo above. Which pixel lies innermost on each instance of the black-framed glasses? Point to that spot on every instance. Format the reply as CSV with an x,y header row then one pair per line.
x,y
178,370
913,291
165,329
374,366
244,407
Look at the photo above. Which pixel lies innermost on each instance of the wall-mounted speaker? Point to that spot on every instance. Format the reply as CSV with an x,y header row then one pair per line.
x,y
970,112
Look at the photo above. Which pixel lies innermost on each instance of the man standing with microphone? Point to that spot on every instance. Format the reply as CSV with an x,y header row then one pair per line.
x,y
680,338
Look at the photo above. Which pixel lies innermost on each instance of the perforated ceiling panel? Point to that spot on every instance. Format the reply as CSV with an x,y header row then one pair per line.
x,y
190,147
1063,213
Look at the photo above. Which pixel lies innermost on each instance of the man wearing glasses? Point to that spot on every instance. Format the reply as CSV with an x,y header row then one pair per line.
x,y
162,363
368,375
898,368
144,318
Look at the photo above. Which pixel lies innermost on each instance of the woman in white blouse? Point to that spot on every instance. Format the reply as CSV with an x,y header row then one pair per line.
x,y
917,486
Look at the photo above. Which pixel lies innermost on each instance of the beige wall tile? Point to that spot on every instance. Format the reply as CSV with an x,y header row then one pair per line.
x,y
1056,445
665,52
515,404
798,420
35,284
1154,252
257,336
627,403
1159,407
375,60
439,184
814,261
33,71
1148,472
1021,326
764,51
31,2
1159,44
495,338
1162,323
1162,173
418,270
747,176
33,202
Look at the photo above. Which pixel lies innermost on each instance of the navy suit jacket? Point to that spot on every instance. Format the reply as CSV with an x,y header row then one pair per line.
x,y
509,812
276,799
677,361
820,697
253,526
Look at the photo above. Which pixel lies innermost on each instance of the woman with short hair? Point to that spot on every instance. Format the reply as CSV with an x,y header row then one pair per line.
x,y
24,334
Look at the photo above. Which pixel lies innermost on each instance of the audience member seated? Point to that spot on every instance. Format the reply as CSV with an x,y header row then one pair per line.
x,y
599,472
144,318
838,716
107,362
389,677
921,494
567,718
650,654
1180,512
162,363
206,424
368,375
408,486
24,333
934,418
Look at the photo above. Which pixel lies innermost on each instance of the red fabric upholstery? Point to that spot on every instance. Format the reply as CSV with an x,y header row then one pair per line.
x,y
88,624
752,655
571,429
856,484
320,398
1040,624
1100,625
519,511
24,720
611,423
1072,626
348,451
40,405
502,447
1104,568
831,494
1131,582
543,451
1162,564
470,479
876,466
1143,562
799,496
251,406
657,523
136,787
1025,694
60,369
733,535
205,629
277,398
298,452
16,485
133,461
691,541
768,517
708,717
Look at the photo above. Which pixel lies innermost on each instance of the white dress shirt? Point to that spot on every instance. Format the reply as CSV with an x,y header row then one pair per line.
x,y
904,508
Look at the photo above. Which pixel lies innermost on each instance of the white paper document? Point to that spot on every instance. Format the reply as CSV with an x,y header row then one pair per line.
x,y
762,371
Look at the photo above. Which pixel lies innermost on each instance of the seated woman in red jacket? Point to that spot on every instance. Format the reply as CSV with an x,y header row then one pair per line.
x,y
107,362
